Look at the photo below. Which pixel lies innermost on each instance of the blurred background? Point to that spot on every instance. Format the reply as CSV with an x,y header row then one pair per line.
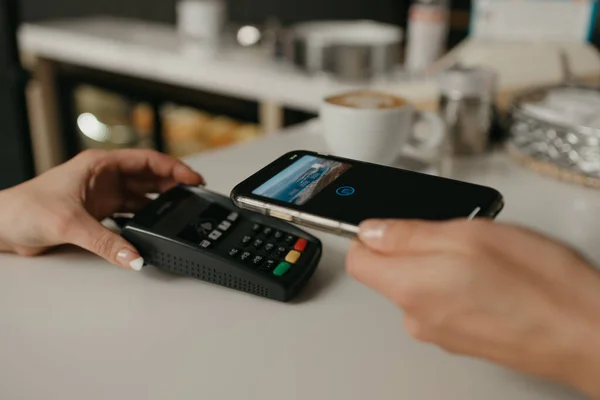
x,y
250,11
138,73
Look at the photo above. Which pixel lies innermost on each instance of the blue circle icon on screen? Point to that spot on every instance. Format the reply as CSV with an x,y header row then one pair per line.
x,y
345,191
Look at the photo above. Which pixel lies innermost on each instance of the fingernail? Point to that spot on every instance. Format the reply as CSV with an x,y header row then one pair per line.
x,y
372,231
130,259
137,264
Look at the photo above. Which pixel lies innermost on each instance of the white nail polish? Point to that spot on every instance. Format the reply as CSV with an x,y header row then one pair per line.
x,y
373,233
137,264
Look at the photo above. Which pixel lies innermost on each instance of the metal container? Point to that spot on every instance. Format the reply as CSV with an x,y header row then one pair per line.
x,y
345,50
104,120
467,106
552,135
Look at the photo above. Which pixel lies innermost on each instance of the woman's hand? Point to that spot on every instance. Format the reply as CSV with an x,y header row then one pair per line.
x,y
488,290
66,204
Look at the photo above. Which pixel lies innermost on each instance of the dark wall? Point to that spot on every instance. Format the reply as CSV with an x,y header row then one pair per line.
x,y
154,10
240,10
16,163
392,11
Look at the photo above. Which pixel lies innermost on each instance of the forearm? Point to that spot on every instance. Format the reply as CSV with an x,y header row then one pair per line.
x,y
581,366
588,375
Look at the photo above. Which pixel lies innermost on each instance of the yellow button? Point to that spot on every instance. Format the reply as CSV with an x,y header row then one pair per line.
x,y
293,257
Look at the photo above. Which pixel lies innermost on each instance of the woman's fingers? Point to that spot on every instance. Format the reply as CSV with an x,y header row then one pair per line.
x,y
134,161
410,281
404,236
184,174
84,231
133,202
147,185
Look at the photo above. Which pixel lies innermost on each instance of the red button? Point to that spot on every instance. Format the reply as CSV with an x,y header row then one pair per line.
x,y
300,245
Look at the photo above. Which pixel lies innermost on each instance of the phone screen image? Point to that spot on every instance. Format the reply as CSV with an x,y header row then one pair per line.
x,y
303,180
351,192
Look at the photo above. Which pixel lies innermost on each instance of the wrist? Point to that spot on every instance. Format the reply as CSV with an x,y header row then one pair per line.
x,y
4,223
586,377
582,367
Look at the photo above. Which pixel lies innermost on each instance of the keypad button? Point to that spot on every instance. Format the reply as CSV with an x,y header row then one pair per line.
x,y
234,252
246,240
214,235
205,227
269,265
225,225
281,251
278,235
289,240
246,256
256,227
293,257
300,245
282,269
258,260
258,243
267,231
205,244
268,247
233,216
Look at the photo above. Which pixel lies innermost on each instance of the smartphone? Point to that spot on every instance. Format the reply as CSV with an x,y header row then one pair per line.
x,y
336,194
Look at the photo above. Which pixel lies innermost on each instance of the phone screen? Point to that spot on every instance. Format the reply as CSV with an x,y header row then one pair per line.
x,y
303,180
351,192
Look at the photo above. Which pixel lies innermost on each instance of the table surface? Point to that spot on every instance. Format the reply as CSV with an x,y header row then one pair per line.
x,y
74,327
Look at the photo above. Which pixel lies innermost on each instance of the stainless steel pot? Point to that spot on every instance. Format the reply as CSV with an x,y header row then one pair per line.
x,y
346,50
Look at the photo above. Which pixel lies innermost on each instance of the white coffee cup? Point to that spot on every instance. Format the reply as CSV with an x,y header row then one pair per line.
x,y
377,127
201,19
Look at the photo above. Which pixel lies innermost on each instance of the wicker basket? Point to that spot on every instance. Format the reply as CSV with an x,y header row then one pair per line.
x,y
565,151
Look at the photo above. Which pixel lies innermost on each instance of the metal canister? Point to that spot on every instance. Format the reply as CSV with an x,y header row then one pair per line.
x,y
104,120
349,51
467,104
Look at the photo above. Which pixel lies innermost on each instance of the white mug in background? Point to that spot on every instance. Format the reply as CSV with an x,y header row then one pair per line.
x,y
200,23
377,127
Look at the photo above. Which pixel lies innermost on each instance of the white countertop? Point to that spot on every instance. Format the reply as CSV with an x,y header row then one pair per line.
x,y
74,327
155,52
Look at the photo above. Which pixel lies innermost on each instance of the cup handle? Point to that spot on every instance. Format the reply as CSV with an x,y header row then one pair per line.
x,y
420,144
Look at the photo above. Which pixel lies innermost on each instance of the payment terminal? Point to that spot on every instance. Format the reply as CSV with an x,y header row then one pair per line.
x,y
193,232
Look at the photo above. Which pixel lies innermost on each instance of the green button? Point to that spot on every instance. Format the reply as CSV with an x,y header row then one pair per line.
x,y
282,268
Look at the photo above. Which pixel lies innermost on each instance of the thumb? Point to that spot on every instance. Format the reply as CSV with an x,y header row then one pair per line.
x,y
92,236
396,236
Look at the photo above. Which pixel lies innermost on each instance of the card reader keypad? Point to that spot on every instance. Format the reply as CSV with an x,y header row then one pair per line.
x,y
269,250
257,246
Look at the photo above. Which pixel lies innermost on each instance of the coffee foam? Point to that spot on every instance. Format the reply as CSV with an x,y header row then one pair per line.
x,y
367,100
